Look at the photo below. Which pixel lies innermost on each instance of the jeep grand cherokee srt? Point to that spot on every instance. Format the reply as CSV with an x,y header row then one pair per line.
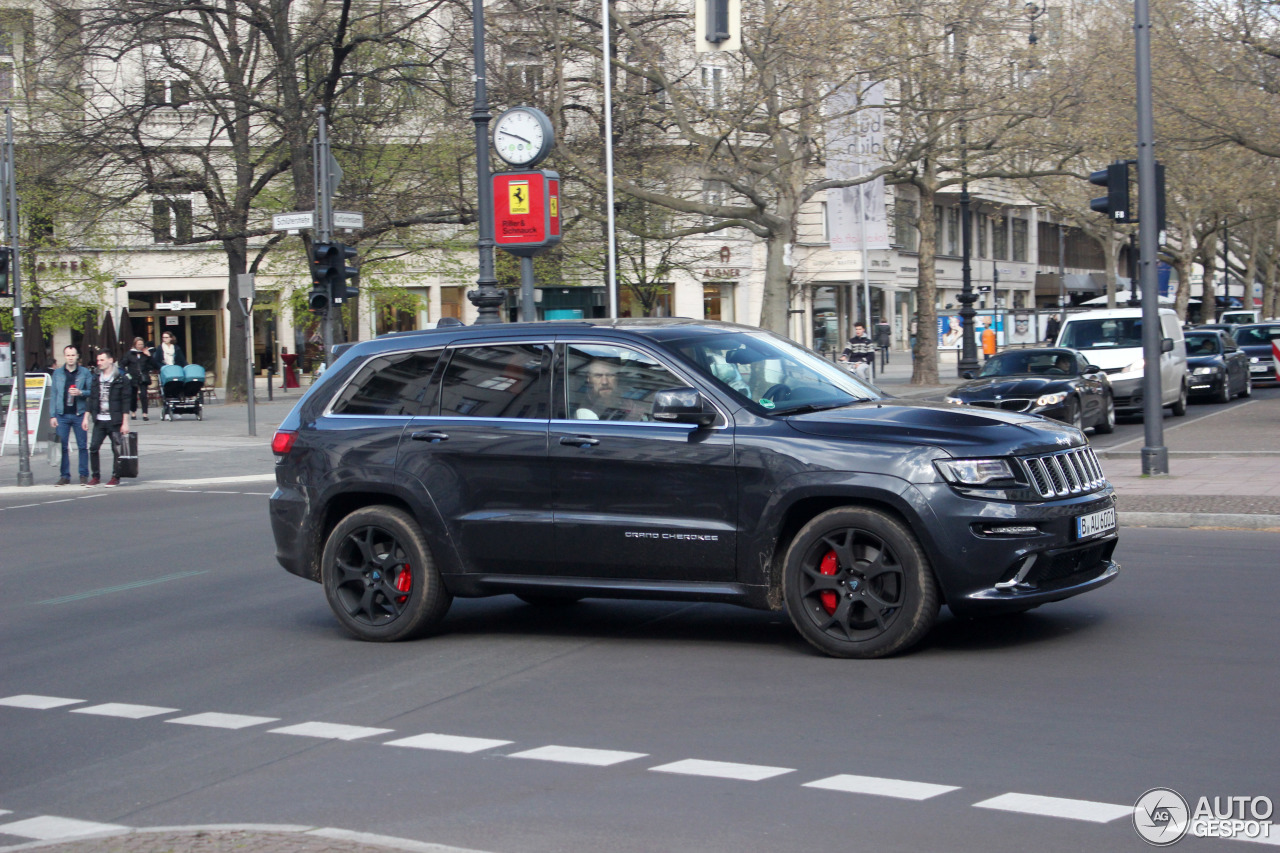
x,y
672,459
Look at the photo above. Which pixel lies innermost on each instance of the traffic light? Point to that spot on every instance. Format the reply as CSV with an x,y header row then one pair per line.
x,y
345,284
1115,204
6,255
326,274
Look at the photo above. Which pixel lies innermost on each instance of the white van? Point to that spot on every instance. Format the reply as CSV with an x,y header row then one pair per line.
x,y
1239,317
1112,340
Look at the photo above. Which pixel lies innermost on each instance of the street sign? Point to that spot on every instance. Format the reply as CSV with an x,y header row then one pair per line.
x,y
293,221
175,306
526,211
348,219
245,282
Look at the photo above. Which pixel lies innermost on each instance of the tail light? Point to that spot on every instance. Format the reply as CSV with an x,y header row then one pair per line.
x,y
282,443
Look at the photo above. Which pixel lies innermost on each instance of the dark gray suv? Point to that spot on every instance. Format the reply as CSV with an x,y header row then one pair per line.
x,y
672,459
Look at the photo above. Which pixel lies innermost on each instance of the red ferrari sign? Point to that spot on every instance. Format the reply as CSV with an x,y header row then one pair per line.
x,y
526,211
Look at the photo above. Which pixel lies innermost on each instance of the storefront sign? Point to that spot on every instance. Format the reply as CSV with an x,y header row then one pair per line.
x,y
526,211
718,274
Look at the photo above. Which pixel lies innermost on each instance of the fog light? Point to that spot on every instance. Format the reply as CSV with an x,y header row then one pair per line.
x,y
1013,530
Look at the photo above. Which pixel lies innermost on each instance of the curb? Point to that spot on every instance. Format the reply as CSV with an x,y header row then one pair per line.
x,y
177,834
1202,520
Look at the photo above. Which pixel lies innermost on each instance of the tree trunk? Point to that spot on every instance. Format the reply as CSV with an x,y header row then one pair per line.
x,y
1184,263
237,374
1111,248
775,304
924,367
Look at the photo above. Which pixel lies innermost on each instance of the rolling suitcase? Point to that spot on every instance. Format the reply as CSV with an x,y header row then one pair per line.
x,y
129,455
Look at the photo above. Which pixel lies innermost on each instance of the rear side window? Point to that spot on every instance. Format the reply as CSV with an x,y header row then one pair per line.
x,y
509,381
390,385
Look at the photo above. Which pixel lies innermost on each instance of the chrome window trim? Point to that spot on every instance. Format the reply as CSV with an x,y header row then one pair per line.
x,y
328,409
679,372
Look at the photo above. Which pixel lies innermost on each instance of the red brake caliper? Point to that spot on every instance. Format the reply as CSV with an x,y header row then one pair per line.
x,y
404,581
829,566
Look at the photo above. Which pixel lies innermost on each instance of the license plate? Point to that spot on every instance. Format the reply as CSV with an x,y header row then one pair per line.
x,y
1095,523
1260,368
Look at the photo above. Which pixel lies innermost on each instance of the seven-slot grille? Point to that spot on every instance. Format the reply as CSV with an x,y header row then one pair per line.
x,y
1071,472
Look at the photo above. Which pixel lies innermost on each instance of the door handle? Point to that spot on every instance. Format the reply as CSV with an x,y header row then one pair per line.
x,y
579,440
430,435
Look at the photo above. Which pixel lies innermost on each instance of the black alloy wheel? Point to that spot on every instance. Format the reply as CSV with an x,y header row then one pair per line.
x,y
858,585
1180,407
1224,393
379,577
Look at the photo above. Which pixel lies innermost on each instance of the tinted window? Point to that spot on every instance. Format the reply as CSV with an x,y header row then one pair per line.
x,y
389,385
1256,335
611,383
1016,363
496,382
1100,334
1202,344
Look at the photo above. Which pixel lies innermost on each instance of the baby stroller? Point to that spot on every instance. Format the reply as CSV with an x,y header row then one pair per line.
x,y
182,389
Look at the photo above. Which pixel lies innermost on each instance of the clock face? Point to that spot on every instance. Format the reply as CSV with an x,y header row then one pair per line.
x,y
522,136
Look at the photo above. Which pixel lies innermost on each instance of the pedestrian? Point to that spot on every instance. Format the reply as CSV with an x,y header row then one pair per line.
x,y
860,353
70,401
168,353
109,408
137,364
1051,329
988,343
290,377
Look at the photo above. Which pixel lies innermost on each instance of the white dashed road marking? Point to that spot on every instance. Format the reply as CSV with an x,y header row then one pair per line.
x,y
1057,807
722,770
223,721
39,703
120,709
48,827
334,731
578,755
876,786
448,743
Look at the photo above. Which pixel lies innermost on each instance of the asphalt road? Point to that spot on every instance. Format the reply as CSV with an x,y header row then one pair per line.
x,y
1167,677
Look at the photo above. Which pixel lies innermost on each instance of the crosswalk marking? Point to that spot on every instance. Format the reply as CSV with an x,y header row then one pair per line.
x,y
578,755
877,786
122,709
1057,807
222,721
334,731
49,827
722,770
39,703
448,743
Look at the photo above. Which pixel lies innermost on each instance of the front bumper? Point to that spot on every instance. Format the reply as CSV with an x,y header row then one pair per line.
x,y
983,571
1206,384
1127,393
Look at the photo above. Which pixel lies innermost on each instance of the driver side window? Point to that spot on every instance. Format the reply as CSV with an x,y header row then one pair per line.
x,y
612,383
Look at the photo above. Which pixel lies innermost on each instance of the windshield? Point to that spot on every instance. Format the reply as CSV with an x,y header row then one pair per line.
x,y
1052,363
771,372
1103,333
1253,336
1203,344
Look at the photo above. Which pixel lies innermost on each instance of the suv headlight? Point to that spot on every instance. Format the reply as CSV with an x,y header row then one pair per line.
x,y
955,401
974,472
1051,399
1204,371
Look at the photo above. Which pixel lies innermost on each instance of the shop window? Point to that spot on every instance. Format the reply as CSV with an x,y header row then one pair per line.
x,y
717,302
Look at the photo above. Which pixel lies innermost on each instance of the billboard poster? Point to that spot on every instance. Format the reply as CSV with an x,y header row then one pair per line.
x,y
37,411
855,146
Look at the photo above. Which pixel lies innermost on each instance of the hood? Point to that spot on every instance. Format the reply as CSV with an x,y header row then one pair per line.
x,y
1111,358
961,430
1257,350
1204,360
1027,386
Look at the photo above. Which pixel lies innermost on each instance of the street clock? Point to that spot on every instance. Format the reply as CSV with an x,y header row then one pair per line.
x,y
523,137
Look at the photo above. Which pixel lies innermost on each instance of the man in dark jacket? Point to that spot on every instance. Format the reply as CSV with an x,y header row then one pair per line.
x,y
860,353
109,411
70,401
137,363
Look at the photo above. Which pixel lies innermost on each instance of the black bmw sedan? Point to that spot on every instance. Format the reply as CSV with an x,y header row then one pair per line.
x,y
1051,382
1219,368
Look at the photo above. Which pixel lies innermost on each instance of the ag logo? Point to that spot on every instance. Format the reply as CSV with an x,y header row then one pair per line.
x,y
1161,816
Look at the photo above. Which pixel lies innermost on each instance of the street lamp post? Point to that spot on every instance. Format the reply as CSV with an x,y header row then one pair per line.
x,y
487,297
968,360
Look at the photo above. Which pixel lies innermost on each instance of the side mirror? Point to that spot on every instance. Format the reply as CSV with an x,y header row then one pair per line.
x,y
968,374
1166,345
1091,369
682,406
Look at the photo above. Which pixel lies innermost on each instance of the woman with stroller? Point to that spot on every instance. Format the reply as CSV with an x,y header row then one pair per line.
x,y
137,364
168,352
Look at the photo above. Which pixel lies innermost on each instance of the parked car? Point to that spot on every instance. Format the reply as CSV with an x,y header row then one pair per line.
x,y
1221,327
1239,317
1050,382
672,459
1219,368
1256,342
1112,339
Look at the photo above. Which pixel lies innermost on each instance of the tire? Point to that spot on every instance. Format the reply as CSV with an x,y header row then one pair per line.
x,y
1180,407
1224,396
858,585
549,600
1074,415
379,577
1107,425
1248,386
